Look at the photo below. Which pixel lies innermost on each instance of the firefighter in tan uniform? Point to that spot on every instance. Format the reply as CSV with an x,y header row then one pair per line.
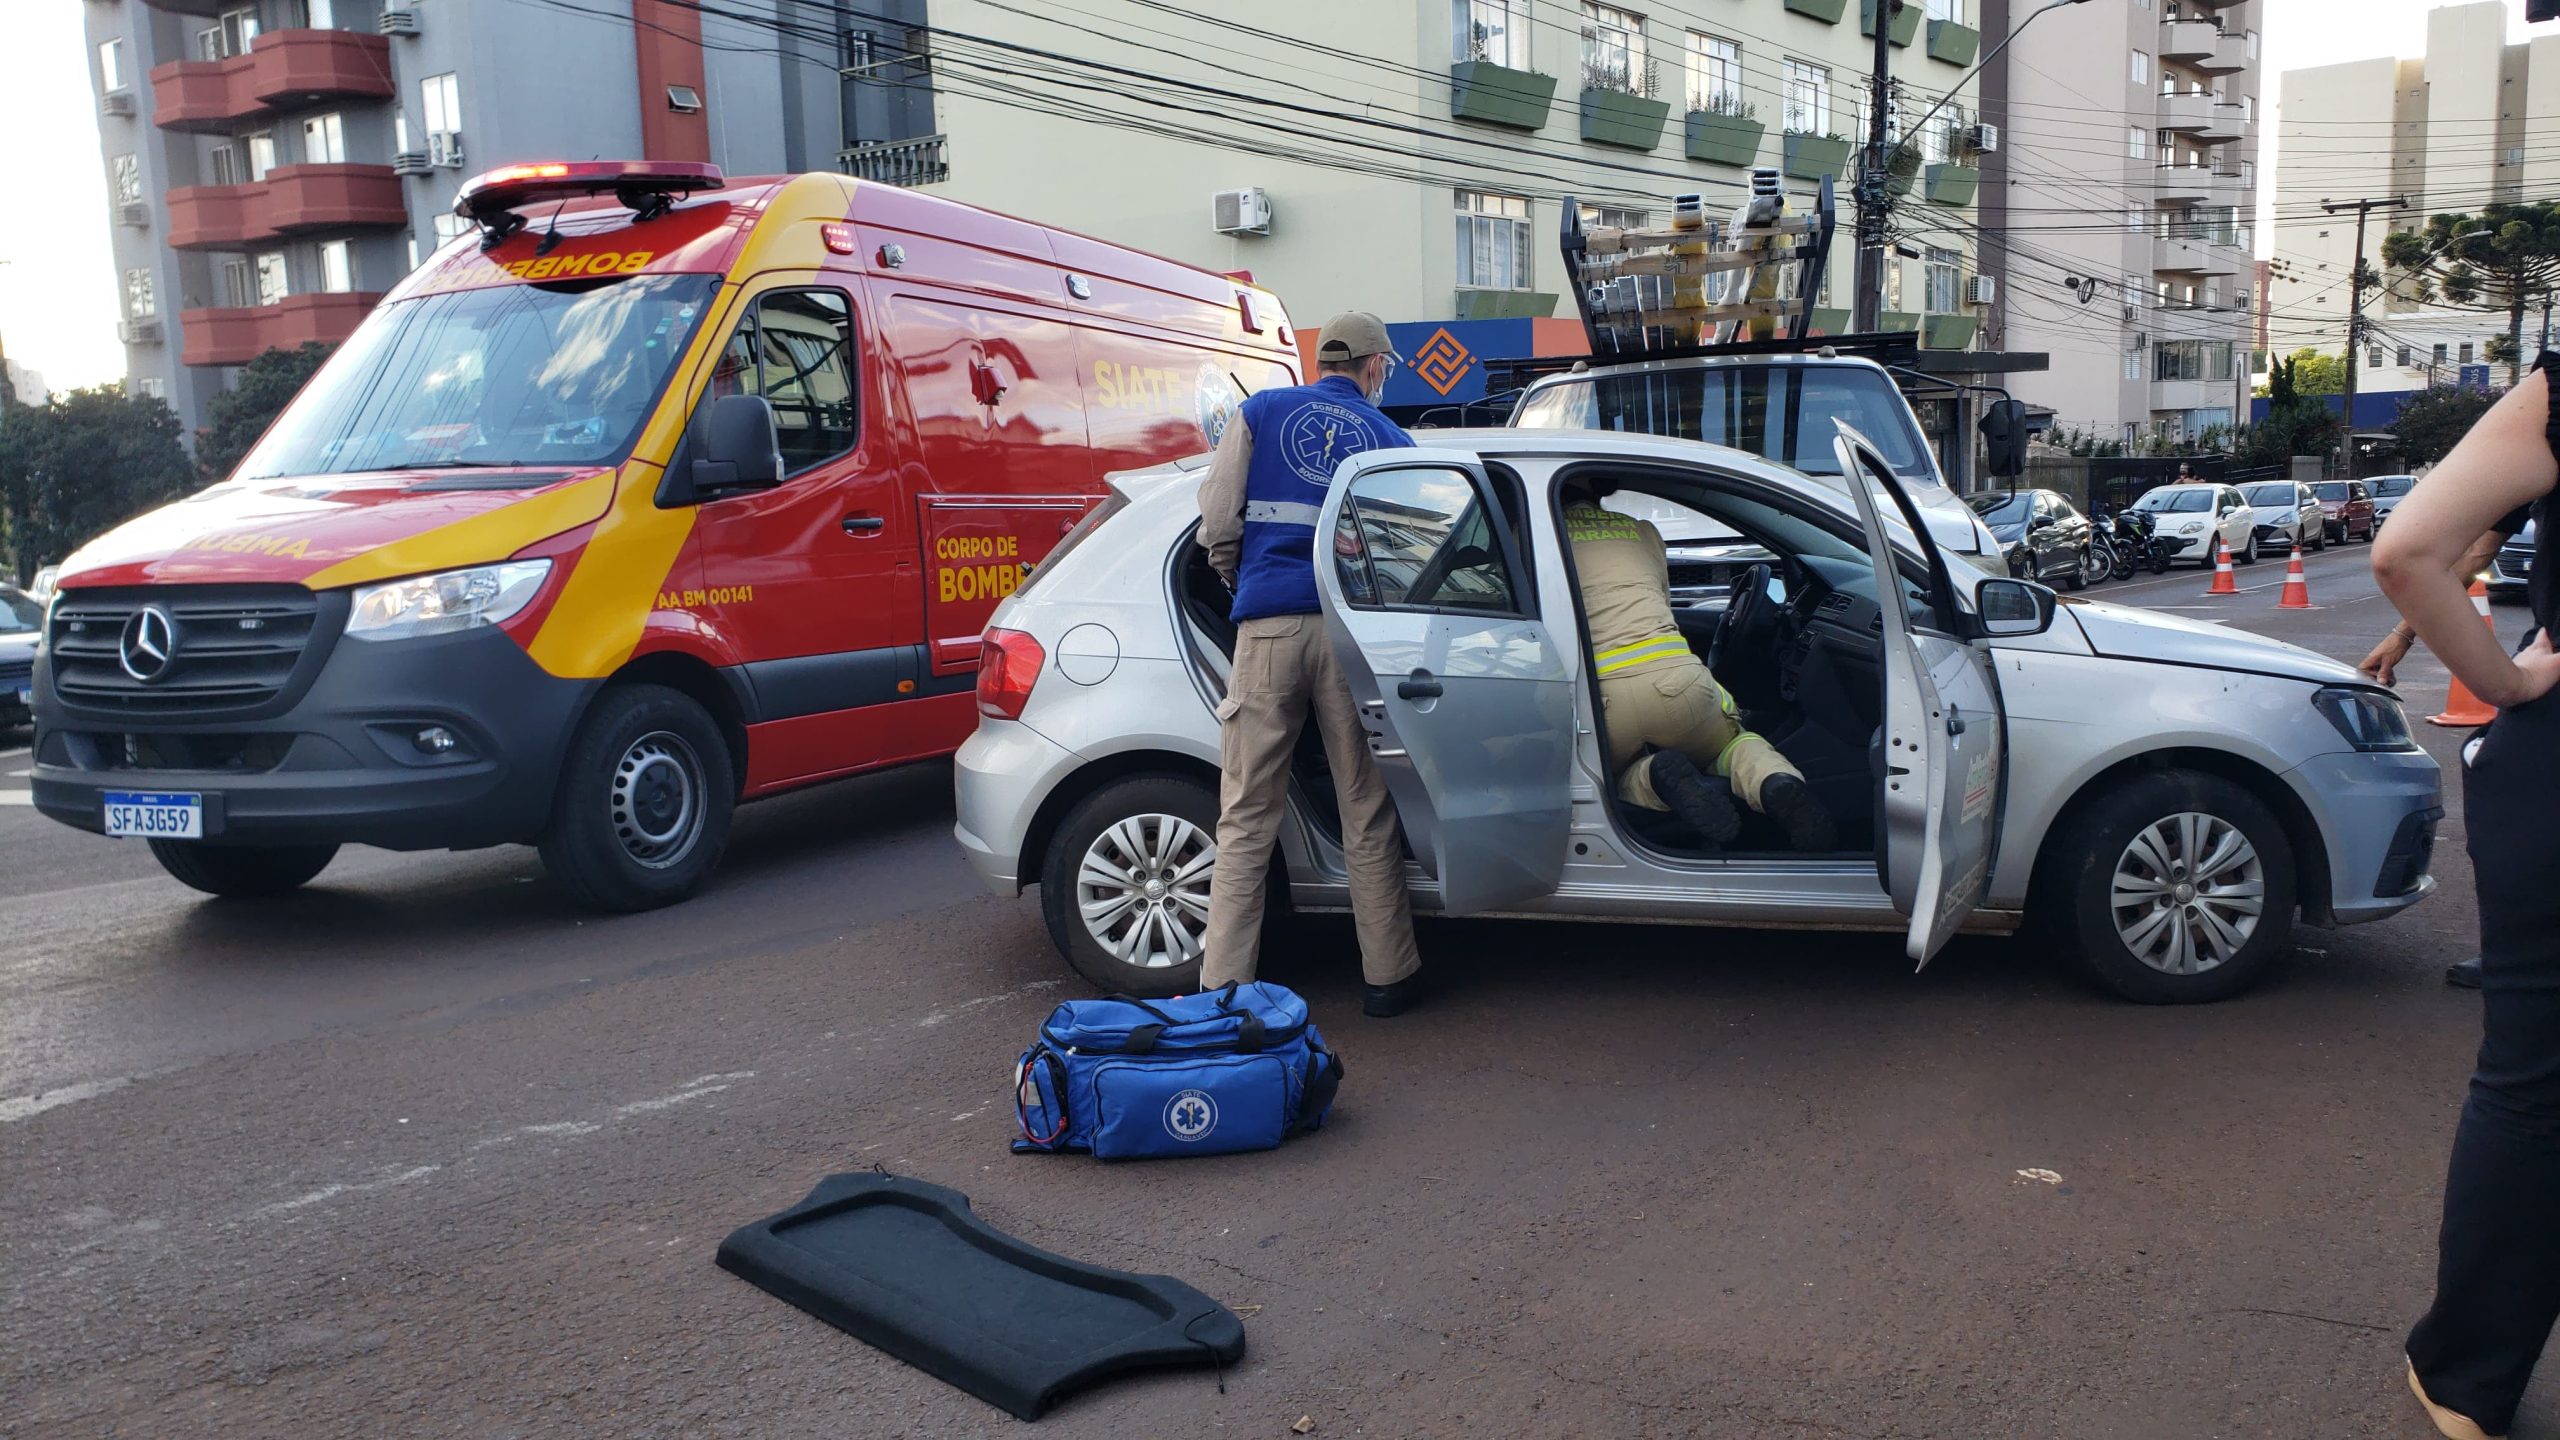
x,y
1258,509
1669,724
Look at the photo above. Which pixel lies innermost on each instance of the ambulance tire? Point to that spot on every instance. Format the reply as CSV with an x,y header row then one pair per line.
x,y
645,799
1151,800
241,872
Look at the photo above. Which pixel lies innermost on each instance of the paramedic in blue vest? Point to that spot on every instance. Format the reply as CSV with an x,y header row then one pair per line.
x,y
1258,508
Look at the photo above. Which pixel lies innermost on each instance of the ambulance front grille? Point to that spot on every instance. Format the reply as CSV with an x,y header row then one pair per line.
x,y
231,647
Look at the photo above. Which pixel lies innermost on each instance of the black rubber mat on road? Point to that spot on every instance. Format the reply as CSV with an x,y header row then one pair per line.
x,y
907,1268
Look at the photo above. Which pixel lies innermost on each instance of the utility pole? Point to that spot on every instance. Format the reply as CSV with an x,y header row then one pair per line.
x,y
2355,309
1872,200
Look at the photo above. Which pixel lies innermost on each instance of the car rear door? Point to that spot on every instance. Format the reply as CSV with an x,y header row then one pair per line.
x,y
1945,752
1467,698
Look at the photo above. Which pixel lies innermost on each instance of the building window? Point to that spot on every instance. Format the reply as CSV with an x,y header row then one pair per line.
x,y
2466,352
2439,355
684,100
1493,241
319,15
140,303
2253,44
230,34
153,386
1951,11
2248,109
128,180
336,273
400,132
324,140
262,155
1715,74
111,77
1943,292
2373,357
1612,49
1806,98
449,228
2133,364
2248,174
271,283
239,282
1495,31
2141,67
413,249
2137,143
2407,358
440,105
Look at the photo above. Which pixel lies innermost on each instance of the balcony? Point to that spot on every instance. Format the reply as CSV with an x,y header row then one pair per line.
x,y
282,68
291,198
206,8
238,336
2191,394
2176,256
2223,121
2182,184
925,160
2230,55
2187,112
2189,41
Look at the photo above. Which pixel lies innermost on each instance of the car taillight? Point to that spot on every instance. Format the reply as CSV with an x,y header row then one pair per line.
x,y
1008,666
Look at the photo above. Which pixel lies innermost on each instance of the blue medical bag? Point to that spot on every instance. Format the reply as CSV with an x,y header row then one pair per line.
x,y
1241,1068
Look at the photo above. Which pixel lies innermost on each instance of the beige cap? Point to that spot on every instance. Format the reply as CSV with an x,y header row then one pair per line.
x,y
1353,335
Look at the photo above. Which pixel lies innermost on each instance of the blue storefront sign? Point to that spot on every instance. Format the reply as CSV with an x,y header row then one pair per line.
x,y
1444,359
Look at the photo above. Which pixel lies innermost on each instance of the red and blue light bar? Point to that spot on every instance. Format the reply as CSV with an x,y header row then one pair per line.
x,y
646,186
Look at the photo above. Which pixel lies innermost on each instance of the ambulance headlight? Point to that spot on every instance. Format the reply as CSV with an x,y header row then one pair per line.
x,y
440,604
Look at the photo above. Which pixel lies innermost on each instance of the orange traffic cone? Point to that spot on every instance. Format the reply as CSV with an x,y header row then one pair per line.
x,y
2297,586
2223,584
2462,708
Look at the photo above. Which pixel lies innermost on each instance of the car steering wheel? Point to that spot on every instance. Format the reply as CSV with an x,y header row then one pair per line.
x,y
1749,619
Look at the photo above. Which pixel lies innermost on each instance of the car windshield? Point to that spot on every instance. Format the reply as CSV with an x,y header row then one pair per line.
x,y
2176,502
534,374
2002,507
2330,489
2393,486
2279,494
1778,412
19,612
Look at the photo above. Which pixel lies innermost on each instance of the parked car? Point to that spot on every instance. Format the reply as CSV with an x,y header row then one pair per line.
x,y
2190,517
2284,513
2043,535
2388,492
2511,569
21,626
2160,797
2346,509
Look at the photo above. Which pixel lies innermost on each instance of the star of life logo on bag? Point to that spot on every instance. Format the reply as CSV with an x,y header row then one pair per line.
x,y
1190,1115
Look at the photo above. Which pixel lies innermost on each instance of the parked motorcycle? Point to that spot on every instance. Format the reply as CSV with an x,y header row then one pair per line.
x,y
2137,542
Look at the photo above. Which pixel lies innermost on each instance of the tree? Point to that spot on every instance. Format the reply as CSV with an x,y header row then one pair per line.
x,y
238,416
2432,420
2296,423
2506,258
2317,372
80,464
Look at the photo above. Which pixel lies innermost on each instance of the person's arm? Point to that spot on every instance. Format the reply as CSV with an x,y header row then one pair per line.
x,y
2384,663
2503,463
1222,500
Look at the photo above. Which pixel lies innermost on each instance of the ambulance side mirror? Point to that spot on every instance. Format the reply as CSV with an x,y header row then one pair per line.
x,y
736,448
2004,438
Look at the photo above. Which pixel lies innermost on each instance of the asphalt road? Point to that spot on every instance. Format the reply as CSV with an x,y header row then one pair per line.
x,y
424,1152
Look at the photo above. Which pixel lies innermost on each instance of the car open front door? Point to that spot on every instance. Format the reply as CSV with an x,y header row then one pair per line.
x,y
1466,698
1944,742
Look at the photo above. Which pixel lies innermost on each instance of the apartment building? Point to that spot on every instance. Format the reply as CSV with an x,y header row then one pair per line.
x,y
2122,197
274,166
1414,158
2445,132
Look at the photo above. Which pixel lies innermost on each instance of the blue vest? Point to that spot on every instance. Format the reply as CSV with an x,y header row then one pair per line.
x,y
1301,434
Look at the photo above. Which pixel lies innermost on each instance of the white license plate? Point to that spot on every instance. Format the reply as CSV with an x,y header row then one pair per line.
x,y
155,816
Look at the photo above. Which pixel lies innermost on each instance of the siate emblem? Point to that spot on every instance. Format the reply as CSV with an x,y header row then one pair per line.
x,y
1190,1115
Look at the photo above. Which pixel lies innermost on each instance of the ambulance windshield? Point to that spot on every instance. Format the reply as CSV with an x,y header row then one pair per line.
x,y
1777,412
508,375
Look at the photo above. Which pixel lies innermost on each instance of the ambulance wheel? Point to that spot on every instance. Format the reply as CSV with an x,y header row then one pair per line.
x,y
646,792
2170,888
1125,885
241,872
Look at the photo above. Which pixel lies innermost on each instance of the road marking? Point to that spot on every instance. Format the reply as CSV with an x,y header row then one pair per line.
x,y
332,1192
20,1107
16,797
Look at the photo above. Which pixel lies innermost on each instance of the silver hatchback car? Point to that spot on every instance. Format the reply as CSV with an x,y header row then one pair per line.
x,y
2161,798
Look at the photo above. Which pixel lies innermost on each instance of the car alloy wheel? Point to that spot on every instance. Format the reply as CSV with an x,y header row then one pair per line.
x,y
656,797
2188,893
1143,889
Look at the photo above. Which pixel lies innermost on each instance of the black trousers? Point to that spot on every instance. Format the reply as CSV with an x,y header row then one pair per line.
x,y
2498,1252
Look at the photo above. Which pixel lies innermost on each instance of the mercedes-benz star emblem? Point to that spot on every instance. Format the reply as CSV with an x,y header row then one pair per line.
x,y
150,641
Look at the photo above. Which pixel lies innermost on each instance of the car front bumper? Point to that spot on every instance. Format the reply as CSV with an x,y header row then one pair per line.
x,y
2511,572
2377,814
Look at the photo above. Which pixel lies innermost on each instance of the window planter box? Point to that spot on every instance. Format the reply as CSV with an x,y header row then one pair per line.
x,y
1956,44
1810,157
1614,117
1504,305
1898,320
1830,321
1906,24
1950,332
1498,95
1901,185
1826,11
1953,184
1724,139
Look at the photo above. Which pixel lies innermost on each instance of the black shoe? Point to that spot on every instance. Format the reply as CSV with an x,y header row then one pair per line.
x,y
2465,976
1386,1002
1703,802
1789,801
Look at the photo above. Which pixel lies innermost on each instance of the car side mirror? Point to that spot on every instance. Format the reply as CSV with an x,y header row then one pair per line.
x,y
735,447
2004,438
2013,608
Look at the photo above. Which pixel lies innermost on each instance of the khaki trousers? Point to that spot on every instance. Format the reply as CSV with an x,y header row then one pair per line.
x,y
1681,707
1284,667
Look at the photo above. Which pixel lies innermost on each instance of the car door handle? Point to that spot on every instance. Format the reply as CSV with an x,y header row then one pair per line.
x,y
864,524
1424,688
1955,721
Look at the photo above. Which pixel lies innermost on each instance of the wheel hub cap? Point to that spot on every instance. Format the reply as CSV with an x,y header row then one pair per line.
x,y
1143,890
2187,893
657,799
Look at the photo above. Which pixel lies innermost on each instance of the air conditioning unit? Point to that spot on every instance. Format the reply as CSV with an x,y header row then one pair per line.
x,y
1982,139
1981,290
2141,341
1240,212
135,213
444,147
116,102
2132,312
138,332
412,162
399,22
